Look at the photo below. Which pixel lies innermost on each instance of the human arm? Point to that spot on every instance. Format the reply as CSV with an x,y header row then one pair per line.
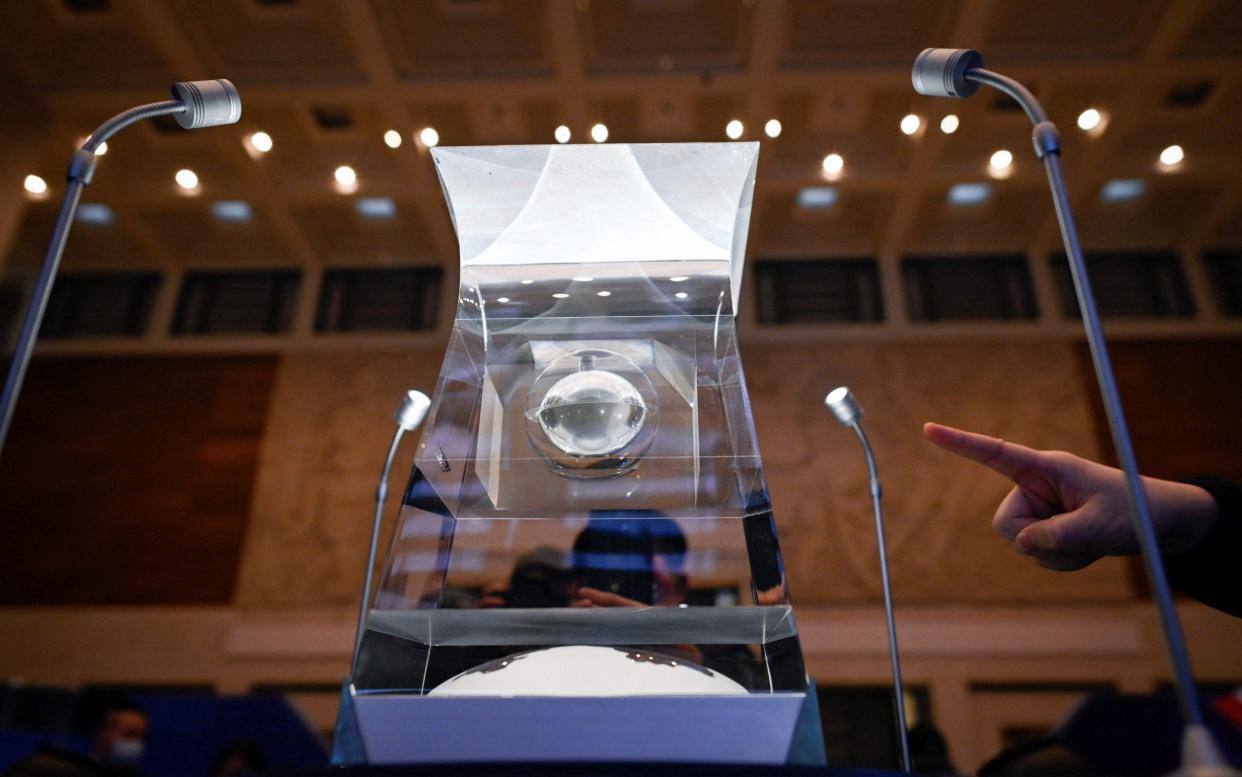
x,y
1066,512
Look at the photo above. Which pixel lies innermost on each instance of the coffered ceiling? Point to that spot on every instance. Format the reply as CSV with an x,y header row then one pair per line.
x,y
327,79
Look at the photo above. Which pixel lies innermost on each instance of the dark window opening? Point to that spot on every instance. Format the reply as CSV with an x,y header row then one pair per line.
x,y
964,288
100,305
1135,284
236,302
1225,270
360,300
796,291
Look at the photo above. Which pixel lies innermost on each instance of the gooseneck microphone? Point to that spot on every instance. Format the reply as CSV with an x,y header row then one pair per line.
x,y
957,73
847,410
409,416
194,104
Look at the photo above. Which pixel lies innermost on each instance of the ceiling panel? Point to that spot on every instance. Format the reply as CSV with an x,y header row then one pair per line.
x,y
849,33
834,72
59,50
464,38
1057,30
665,35
340,236
256,43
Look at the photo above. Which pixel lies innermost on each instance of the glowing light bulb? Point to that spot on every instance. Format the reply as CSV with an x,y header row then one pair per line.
x,y
949,124
599,133
562,134
35,185
734,129
1001,159
834,164
392,139
773,128
261,142
429,136
910,124
345,175
1089,119
186,178
1173,155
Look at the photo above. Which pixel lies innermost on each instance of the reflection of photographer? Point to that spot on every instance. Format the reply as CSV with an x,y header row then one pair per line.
x,y
629,558
539,579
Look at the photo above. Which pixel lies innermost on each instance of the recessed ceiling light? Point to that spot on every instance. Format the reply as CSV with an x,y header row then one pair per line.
x,y
233,211
603,293
561,295
833,164
1000,162
817,197
186,178
773,128
95,213
429,137
392,139
1172,155
599,133
378,208
734,129
969,193
345,175
261,142
949,124
679,278
502,300
1122,190
681,295
562,134
910,124
35,185
527,282
1089,119
583,278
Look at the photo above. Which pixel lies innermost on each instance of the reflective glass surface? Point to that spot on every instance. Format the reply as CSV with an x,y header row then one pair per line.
x,y
587,513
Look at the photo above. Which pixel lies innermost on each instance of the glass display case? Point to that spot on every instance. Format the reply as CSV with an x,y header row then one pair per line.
x,y
586,530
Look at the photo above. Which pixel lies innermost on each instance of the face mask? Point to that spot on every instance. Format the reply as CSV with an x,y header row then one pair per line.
x,y
125,752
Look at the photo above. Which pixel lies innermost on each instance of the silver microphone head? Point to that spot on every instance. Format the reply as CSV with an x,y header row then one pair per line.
x,y
843,405
413,410
942,72
207,103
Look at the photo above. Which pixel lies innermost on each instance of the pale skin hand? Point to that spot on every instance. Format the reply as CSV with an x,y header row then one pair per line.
x,y
1066,512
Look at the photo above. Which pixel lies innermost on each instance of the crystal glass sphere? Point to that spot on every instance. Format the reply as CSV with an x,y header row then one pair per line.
x,y
592,412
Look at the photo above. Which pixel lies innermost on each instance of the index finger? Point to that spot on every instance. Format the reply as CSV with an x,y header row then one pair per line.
x,y
1016,462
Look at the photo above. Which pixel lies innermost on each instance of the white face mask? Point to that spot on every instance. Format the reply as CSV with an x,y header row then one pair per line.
x,y
125,752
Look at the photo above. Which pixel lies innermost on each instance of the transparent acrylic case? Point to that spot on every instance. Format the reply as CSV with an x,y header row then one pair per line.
x,y
587,503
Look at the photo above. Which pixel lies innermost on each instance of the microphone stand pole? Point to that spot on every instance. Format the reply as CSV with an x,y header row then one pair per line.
x,y
899,694
195,104
847,410
81,171
1199,752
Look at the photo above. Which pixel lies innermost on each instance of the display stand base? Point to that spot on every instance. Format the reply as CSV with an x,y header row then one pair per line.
x,y
389,729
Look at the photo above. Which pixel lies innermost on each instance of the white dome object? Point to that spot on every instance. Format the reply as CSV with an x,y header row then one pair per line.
x,y
592,412
589,670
